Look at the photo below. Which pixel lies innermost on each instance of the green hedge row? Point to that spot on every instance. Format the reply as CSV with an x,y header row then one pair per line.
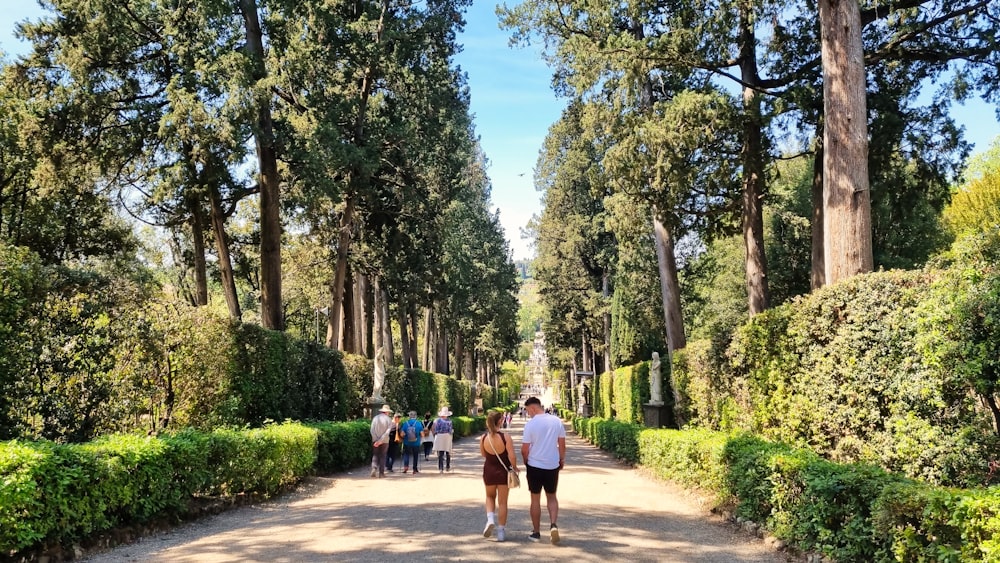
x,y
149,371
896,369
847,512
57,493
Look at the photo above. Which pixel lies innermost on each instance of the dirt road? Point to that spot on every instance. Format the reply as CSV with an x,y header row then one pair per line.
x,y
607,513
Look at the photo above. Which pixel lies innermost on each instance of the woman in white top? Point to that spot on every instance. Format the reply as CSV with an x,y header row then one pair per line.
x,y
443,438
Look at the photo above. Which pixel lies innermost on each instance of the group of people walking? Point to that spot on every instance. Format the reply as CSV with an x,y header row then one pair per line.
x,y
543,452
391,435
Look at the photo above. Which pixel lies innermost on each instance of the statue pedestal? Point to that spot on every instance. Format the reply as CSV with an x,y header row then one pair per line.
x,y
585,411
373,406
655,415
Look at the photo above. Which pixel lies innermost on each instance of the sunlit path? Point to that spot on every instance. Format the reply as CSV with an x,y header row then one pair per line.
x,y
608,513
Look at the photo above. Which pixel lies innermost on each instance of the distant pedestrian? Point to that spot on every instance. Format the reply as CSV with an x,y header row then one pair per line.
x,y
427,437
380,427
543,449
411,441
444,432
395,443
497,450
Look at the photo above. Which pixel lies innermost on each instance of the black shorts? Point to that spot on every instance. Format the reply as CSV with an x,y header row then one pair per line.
x,y
539,479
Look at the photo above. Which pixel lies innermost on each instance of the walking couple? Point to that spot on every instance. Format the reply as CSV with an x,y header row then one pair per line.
x,y
543,449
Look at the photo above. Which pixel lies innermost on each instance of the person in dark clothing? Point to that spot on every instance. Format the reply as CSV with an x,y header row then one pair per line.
x,y
395,443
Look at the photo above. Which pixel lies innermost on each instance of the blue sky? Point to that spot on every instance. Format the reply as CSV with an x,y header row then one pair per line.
x,y
513,106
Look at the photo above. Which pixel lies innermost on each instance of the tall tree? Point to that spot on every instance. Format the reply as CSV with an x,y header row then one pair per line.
x,y
271,310
847,229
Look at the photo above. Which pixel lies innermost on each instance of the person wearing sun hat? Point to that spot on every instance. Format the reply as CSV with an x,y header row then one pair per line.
x,y
443,431
380,427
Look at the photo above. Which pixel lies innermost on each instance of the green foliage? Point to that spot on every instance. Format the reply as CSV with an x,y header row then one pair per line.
x,y
692,457
847,512
631,391
861,371
973,210
619,438
64,492
341,445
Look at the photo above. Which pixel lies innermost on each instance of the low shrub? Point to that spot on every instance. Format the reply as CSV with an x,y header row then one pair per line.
x,y
62,492
844,512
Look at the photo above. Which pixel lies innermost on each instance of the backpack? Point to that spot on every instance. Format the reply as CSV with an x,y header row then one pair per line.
x,y
411,431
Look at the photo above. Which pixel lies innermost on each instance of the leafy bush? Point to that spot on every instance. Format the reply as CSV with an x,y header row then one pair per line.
x,y
846,512
62,492
876,369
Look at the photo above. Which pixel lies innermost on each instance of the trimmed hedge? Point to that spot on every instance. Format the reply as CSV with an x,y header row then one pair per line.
x,y
887,368
846,512
57,493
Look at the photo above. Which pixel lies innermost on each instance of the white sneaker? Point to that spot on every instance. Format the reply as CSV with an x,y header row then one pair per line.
x,y
488,531
501,534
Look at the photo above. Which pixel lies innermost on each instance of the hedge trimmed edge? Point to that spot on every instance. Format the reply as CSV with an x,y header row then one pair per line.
x,y
847,512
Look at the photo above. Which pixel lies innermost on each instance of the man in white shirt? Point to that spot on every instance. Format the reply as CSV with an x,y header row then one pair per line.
x,y
543,450
380,427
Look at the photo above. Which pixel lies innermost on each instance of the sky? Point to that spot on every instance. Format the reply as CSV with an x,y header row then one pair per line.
x,y
513,106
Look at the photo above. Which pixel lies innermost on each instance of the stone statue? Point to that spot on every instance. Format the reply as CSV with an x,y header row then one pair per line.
x,y
655,381
379,375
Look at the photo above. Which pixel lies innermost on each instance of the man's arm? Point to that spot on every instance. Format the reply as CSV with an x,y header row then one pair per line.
x,y
562,452
525,448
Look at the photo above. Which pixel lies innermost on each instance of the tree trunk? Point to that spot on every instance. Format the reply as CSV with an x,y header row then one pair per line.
x,y
443,365
669,286
606,292
753,168
404,338
847,234
198,251
340,275
414,328
817,271
225,259
459,356
379,334
429,340
271,312
361,339
347,341
368,323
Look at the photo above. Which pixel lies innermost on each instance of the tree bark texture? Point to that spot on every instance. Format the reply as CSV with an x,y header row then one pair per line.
x,y
347,342
847,237
225,259
404,337
389,353
753,169
817,275
271,310
459,356
363,314
198,251
340,275
430,338
669,285
414,330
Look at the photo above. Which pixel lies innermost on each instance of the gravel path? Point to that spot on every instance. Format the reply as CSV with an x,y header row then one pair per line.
x,y
607,513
